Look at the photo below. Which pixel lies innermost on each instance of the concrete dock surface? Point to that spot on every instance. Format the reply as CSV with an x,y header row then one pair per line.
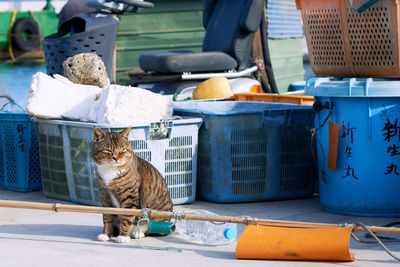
x,y
46,238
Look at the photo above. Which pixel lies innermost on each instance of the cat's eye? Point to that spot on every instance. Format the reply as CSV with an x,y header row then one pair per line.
x,y
107,151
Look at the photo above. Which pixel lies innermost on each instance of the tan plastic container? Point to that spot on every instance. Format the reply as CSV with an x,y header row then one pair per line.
x,y
345,43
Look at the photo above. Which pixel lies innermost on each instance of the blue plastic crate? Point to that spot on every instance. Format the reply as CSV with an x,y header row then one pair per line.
x,y
252,151
19,153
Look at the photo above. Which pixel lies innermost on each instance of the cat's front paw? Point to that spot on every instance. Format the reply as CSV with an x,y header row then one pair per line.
x,y
103,237
122,239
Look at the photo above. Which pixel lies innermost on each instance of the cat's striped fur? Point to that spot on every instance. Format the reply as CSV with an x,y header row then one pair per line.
x,y
125,181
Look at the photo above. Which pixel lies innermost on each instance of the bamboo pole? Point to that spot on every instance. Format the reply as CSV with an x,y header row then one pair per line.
x,y
181,215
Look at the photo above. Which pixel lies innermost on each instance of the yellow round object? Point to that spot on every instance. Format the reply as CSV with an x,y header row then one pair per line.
x,y
213,88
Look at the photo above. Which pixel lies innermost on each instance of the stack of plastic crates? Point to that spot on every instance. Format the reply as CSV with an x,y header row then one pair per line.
x,y
19,151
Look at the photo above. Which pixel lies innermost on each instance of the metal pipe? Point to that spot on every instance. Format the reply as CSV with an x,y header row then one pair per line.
x,y
202,76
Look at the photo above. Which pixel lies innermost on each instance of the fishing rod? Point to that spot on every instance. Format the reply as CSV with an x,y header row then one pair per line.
x,y
247,220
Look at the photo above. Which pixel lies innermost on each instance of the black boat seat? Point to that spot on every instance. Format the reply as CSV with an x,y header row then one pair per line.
x,y
186,61
230,26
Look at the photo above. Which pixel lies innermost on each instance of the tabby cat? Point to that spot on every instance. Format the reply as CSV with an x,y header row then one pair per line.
x,y
125,181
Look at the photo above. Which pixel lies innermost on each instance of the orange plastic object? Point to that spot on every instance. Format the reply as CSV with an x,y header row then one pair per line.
x,y
342,42
256,88
291,99
285,243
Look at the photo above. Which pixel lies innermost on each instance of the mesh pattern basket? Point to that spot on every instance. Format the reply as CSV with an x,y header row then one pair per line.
x,y
83,33
69,172
19,153
250,151
345,43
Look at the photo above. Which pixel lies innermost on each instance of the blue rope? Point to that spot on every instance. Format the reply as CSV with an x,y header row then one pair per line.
x,y
364,6
2,109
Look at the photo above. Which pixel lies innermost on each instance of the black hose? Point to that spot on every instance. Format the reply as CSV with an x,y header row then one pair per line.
x,y
265,86
267,58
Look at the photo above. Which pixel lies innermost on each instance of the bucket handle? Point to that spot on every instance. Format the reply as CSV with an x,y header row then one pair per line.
x,y
10,101
9,98
317,107
367,4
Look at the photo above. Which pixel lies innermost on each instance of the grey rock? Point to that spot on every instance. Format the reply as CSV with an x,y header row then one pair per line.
x,y
86,68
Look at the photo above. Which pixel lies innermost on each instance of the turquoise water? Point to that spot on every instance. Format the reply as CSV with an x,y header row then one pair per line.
x,y
15,80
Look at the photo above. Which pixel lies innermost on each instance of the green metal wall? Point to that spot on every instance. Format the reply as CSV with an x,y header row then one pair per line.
x,y
287,61
178,25
170,25
5,17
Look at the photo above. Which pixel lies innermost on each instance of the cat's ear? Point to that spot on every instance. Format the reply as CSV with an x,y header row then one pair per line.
x,y
98,134
125,133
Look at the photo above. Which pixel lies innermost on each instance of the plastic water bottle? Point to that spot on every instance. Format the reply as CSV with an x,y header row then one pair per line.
x,y
209,233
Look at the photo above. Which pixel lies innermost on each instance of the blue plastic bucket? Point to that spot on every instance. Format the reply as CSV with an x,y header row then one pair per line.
x,y
367,177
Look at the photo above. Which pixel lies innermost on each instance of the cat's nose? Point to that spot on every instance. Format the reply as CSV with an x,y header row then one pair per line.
x,y
115,157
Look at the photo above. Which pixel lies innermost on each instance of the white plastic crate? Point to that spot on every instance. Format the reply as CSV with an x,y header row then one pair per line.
x,y
69,173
